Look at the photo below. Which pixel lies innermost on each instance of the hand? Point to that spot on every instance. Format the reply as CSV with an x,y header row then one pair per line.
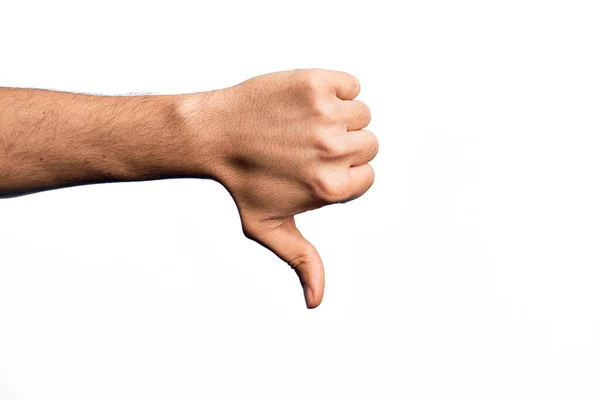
x,y
290,142
282,144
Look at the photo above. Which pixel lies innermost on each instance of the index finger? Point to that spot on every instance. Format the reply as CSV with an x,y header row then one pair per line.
x,y
345,85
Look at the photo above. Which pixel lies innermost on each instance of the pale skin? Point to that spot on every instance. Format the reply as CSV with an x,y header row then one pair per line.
x,y
281,144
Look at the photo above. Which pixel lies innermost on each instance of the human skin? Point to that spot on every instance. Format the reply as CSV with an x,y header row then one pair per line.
x,y
281,144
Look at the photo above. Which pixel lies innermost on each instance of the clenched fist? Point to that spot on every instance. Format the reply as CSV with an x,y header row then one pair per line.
x,y
289,142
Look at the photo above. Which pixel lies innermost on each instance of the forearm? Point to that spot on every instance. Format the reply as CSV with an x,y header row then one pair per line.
x,y
55,139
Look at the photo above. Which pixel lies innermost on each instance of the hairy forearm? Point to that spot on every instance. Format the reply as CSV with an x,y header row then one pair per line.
x,y
54,139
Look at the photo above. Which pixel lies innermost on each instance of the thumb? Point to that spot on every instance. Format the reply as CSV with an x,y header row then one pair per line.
x,y
287,243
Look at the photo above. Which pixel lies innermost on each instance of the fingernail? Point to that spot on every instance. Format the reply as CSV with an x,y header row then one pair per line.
x,y
308,295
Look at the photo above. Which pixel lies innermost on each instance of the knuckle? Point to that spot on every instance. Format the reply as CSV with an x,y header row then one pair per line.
x,y
328,189
301,261
371,176
310,81
329,147
370,180
373,144
363,112
353,84
323,109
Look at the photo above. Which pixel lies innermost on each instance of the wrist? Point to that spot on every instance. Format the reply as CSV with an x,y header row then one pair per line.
x,y
176,137
201,119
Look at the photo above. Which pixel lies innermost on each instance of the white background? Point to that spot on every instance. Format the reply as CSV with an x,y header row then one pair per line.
x,y
469,271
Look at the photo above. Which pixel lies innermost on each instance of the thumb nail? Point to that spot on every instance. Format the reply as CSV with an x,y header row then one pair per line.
x,y
308,295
